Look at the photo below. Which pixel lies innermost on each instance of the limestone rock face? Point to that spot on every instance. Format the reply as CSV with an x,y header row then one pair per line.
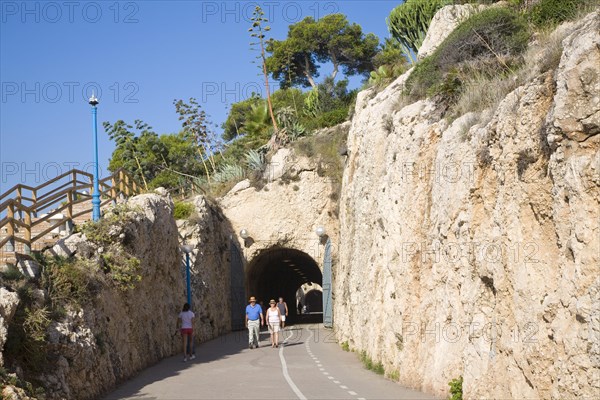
x,y
474,251
284,212
8,305
208,232
577,107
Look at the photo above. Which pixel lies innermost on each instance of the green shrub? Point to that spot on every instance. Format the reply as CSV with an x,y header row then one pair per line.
x,y
394,375
123,268
456,388
12,274
345,346
328,119
67,281
488,42
182,210
553,12
99,231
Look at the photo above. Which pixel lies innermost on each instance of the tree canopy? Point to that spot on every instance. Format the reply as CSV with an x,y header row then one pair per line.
x,y
152,159
295,60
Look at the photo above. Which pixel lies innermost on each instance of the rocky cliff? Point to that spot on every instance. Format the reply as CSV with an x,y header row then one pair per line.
x,y
473,249
124,282
208,232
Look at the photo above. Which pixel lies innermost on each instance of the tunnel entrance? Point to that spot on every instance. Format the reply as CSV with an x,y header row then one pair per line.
x,y
281,272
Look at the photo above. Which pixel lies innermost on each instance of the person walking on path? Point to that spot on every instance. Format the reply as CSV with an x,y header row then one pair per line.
x,y
283,310
273,321
254,318
186,322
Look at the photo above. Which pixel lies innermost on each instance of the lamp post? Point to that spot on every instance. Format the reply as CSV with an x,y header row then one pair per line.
x,y
187,249
96,194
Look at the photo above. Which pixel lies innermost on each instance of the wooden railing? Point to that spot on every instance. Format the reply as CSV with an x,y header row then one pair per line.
x,y
22,204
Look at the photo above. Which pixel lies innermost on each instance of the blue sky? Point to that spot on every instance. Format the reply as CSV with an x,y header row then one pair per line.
x,y
140,56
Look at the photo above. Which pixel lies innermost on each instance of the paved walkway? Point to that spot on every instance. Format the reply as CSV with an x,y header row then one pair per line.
x,y
309,366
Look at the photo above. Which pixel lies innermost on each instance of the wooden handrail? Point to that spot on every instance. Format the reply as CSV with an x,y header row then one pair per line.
x,y
68,194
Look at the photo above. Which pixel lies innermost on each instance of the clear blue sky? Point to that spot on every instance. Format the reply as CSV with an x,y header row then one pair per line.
x,y
140,55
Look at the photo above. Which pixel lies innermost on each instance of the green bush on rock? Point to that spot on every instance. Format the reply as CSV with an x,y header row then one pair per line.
x,y
488,42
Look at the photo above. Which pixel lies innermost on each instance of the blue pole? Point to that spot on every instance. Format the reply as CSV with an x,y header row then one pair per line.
x,y
96,194
187,276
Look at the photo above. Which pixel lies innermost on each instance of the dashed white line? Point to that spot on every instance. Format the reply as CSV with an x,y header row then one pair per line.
x,y
309,351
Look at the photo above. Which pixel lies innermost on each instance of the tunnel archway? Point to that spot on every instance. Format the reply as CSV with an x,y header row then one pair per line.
x,y
280,272
314,301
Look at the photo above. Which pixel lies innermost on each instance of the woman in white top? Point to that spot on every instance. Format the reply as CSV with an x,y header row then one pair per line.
x,y
273,321
186,323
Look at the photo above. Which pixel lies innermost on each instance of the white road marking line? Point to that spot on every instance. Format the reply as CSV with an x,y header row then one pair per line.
x,y
286,375
309,351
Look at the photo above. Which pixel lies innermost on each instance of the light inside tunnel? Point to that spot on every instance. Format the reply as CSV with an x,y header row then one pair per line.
x,y
280,272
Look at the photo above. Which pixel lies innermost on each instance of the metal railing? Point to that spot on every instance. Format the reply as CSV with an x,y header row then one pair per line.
x,y
55,203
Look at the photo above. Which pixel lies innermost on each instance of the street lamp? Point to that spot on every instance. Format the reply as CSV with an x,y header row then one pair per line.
x,y
187,249
96,195
320,231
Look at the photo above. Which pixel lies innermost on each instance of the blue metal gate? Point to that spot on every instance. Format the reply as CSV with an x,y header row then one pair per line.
x,y
238,295
327,287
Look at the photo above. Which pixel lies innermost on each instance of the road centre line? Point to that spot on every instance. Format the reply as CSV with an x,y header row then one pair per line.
x,y
286,375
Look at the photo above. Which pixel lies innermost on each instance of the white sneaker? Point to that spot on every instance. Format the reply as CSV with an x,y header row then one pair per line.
x,y
184,359
193,357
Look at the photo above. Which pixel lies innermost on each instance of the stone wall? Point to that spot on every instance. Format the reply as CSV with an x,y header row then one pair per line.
x,y
121,332
117,332
474,250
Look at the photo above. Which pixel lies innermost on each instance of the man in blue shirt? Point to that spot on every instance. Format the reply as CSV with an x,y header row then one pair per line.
x,y
253,314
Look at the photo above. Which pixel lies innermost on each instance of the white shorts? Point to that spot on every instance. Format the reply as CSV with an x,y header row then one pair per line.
x,y
283,318
274,328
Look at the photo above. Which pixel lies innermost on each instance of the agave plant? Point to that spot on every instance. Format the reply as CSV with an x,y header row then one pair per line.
x,y
255,161
296,131
408,23
229,172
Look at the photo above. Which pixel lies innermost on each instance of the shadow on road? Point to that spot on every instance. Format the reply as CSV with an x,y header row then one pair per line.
x,y
215,349
220,348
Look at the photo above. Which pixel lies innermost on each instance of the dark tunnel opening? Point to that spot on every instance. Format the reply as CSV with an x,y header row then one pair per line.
x,y
281,272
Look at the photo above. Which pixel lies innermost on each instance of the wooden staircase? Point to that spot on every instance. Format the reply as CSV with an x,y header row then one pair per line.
x,y
34,218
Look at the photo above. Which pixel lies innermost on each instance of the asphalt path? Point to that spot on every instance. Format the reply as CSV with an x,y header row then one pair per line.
x,y
308,365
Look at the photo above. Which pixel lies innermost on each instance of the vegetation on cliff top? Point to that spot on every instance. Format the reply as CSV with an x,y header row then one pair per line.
x,y
486,50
